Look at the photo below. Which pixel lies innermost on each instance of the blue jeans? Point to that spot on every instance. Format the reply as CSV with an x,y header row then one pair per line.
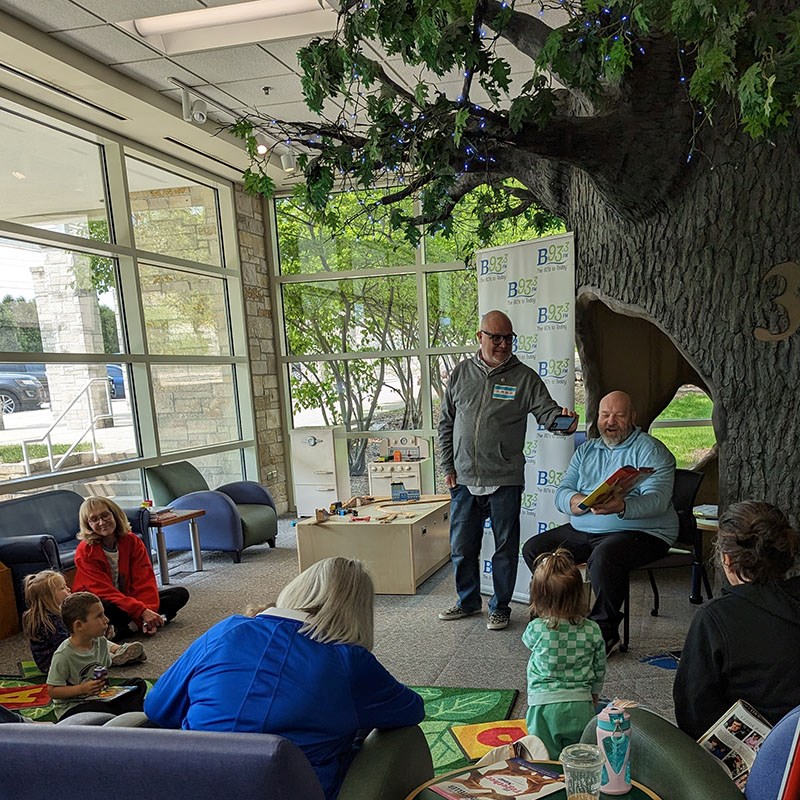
x,y
467,515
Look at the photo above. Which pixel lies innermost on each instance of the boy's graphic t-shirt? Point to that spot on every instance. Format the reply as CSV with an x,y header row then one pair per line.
x,y
71,667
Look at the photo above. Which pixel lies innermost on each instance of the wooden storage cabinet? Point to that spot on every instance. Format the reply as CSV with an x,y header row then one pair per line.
x,y
399,554
319,467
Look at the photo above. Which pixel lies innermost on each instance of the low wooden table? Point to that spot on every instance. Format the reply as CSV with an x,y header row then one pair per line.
x,y
399,554
638,791
160,521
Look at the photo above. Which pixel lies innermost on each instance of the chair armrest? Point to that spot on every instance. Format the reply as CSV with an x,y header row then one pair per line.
x,y
39,548
390,764
87,718
130,719
248,492
139,519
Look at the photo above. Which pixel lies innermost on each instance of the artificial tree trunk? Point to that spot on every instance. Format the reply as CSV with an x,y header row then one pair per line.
x,y
697,268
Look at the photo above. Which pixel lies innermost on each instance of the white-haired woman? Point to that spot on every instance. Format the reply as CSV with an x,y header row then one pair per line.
x,y
112,562
302,669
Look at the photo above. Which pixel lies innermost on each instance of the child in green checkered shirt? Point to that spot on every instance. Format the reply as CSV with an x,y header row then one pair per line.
x,y
568,656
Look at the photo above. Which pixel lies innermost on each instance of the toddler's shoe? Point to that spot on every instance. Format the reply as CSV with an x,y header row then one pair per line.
x,y
128,653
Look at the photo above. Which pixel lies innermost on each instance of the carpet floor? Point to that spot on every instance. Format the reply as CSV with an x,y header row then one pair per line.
x,y
417,647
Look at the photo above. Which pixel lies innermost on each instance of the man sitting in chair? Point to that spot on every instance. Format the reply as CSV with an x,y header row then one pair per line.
x,y
619,533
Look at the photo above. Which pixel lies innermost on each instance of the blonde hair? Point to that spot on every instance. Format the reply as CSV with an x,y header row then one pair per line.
x,y
338,595
40,598
557,589
95,504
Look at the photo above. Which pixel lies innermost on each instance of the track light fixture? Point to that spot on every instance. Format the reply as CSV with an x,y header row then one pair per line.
x,y
195,111
289,161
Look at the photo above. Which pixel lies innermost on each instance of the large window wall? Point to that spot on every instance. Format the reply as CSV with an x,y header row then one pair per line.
x,y
372,326
122,340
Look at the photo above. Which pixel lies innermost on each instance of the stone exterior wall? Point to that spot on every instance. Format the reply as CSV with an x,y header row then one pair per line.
x,y
270,441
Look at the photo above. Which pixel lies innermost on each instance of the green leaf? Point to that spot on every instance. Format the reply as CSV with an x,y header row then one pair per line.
x,y
459,124
258,183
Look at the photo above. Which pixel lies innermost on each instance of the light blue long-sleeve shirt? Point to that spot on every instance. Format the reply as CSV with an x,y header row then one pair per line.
x,y
648,507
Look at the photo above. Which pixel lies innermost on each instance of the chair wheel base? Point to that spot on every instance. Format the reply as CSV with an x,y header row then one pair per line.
x,y
623,648
653,612
271,542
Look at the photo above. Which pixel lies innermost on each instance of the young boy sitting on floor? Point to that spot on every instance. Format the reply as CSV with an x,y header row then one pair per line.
x,y
77,671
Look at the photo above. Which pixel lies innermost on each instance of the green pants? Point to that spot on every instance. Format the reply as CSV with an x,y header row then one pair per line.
x,y
559,724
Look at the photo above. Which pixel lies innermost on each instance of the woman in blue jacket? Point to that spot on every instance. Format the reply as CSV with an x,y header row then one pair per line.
x,y
302,670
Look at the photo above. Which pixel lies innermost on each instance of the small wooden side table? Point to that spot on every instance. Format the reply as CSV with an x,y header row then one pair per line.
x,y
160,521
9,618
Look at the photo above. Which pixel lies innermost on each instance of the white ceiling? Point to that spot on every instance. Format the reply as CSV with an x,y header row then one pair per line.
x,y
134,82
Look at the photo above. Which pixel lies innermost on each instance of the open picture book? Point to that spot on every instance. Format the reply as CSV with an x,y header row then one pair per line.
x,y
734,740
617,484
515,777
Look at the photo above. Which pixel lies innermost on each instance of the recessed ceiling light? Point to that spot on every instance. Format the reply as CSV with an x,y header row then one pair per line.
x,y
20,176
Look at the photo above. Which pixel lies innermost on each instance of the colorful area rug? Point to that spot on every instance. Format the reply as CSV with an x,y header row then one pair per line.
x,y
448,706
477,740
29,697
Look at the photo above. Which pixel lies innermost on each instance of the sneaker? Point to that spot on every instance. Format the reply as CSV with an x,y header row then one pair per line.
x,y
128,653
456,612
497,621
612,645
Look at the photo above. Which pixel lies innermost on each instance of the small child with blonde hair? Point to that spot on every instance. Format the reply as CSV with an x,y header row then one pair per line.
x,y
567,664
44,628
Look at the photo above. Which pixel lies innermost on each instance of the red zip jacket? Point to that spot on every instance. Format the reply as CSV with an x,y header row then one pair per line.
x,y
137,581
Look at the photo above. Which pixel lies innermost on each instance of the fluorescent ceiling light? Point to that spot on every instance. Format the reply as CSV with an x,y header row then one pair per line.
x,y
255,22
222,15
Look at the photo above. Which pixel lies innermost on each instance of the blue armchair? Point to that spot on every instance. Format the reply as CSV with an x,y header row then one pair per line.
x,y
39,531
238,514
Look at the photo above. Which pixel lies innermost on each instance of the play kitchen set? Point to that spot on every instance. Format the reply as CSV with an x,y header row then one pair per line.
x,y
403,459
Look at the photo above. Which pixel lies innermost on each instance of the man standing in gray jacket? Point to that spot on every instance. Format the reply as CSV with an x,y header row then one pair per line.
x,y
481,438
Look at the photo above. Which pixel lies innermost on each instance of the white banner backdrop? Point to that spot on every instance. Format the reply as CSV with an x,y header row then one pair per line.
x,y
534,283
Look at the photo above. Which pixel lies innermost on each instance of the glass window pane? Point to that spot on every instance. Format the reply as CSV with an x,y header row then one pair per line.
x,y
173,215
57,301
452,308
185,313
51,179
195,405
363,394
89,426
123,487
221,468
351,315
355,238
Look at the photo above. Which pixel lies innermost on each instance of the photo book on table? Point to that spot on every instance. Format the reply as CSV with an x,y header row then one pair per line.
x,y
617,484
515,777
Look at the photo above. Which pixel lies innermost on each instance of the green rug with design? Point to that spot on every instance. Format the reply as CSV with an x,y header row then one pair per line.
x,y
447,706
27,693
444,707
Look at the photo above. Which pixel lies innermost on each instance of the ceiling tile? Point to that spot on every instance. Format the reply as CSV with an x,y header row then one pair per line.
x,y
123,10
249,93
107,44
232,64
54,15
291,112
286,50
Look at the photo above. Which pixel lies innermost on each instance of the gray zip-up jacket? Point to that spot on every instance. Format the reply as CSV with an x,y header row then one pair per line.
x,y
484,417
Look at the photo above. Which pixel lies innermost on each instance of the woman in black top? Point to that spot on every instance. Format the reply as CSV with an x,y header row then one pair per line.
x,y
745,644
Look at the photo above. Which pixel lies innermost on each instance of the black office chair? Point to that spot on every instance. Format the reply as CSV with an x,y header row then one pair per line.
x,y
686,552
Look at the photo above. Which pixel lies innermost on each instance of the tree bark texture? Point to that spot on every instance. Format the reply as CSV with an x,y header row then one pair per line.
x,y
696,268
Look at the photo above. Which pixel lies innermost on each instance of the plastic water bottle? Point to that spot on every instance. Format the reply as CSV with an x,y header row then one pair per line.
x,y
614,739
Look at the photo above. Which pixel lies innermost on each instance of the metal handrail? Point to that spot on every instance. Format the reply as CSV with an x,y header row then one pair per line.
x,y
90,427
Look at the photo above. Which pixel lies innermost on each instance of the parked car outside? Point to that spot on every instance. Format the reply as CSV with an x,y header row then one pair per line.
x,y
116,374
20,392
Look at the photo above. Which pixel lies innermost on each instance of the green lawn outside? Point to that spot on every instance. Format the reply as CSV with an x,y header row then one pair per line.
x,y
12,453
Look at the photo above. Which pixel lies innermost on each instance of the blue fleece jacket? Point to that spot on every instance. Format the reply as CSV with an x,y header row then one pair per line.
x,y
648,507
261,675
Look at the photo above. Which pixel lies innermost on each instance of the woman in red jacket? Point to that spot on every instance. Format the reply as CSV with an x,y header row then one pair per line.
x,y
112,562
